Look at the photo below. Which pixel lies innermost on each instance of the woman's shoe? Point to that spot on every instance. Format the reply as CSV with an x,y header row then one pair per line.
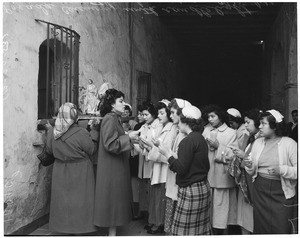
x,y
159,230
148,227
137,217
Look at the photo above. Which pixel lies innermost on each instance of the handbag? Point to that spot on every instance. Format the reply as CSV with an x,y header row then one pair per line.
x,y
46,158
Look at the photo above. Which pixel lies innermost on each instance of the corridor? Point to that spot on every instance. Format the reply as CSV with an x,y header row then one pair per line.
x,y
237,55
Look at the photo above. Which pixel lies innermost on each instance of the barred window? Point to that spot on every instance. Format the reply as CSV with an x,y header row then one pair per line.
x,y
144,87
58,69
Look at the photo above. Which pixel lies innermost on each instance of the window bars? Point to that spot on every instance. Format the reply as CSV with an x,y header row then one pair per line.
x,y
144,87
62,68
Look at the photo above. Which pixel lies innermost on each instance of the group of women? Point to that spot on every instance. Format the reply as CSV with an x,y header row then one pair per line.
x,y
198,172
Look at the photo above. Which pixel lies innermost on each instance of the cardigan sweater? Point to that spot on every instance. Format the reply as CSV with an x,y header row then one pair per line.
x,y
287,150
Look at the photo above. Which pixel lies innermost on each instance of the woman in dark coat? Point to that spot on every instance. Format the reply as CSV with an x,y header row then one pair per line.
x,y
73,183
113,196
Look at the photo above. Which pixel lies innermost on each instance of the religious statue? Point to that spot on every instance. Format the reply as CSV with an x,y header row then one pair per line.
x,y
91,101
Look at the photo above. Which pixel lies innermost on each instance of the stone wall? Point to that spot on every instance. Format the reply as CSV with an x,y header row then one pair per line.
x,y
280,65
116,39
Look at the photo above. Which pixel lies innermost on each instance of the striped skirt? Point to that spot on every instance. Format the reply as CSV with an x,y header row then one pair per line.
x,y
192,211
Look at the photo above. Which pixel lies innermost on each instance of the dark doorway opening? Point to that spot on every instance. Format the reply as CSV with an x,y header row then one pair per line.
x,y
223,48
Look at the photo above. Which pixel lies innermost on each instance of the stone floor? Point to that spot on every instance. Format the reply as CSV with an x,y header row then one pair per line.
x,y
135,228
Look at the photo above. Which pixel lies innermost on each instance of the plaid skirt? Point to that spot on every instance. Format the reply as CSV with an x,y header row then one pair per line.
x,y
192,211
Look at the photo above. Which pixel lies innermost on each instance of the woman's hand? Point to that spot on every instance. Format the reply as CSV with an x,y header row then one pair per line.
x,y
147,144
133,135
248,161
141,144
48,126
165,151
239,153
274,171
156,142
213,144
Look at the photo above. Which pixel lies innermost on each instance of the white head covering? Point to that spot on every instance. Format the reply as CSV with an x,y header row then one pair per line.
x,y
127,104
278,116
66,117
191,112
234,112
165,101
182,103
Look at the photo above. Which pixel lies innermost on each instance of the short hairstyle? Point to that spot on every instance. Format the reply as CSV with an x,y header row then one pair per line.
x,y
129,109
109,98
279,127
194,124
140,108
221,113
255,115
238,120
148,106
294,111
173,104
161,105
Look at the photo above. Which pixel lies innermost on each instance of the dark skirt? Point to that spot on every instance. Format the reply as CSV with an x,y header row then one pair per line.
x,y
192,212
157,204
272,212
144,194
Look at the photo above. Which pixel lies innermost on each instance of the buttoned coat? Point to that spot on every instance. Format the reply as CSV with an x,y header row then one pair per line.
x,y
113,195
218,176
160,169
147,133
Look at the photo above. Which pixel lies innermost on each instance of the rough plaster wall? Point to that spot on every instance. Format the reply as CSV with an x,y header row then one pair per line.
x,y
156,52
26,185
104,56
281,79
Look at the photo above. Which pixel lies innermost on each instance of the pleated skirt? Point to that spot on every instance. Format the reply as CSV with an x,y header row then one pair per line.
x,y
192,211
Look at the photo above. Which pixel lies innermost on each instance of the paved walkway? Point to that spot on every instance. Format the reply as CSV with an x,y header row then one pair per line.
x,y
135,228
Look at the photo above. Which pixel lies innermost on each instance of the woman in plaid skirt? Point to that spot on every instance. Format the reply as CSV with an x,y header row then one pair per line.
x,y
192,211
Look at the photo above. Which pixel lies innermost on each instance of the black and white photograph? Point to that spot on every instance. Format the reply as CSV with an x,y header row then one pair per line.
x,y
149,118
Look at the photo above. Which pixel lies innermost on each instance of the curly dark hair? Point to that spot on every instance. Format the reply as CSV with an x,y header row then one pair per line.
x,y
254,114
279,127
161,105
109,98
148,106
140,107
173,104
220,112
129,109
194,124
238,120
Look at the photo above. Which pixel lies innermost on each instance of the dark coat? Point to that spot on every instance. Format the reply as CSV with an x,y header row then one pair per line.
x,y
73,183
292,133
113,194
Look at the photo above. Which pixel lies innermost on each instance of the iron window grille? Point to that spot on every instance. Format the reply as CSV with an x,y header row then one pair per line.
x,y
58,70
144,87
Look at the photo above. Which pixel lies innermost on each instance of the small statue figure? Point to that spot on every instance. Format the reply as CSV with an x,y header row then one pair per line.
x,y
91,100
